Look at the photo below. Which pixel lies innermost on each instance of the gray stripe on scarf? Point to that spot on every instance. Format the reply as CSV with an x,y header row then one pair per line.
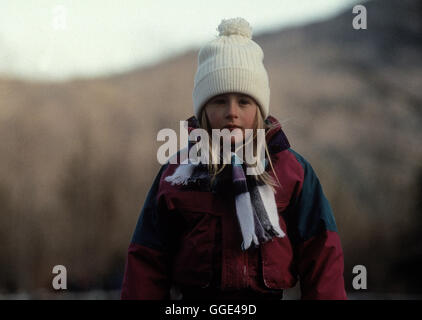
x,y
261,212
261,234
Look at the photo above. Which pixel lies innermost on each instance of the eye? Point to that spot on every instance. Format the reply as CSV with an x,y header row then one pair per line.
x,y
244,101
219,101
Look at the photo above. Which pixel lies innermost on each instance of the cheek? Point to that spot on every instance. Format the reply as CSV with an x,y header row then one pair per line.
x,y
214,119
250,119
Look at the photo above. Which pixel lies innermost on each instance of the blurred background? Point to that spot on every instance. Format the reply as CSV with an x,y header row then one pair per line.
x,y
85,87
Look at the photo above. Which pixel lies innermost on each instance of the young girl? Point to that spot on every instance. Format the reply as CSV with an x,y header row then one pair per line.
x,y
213,230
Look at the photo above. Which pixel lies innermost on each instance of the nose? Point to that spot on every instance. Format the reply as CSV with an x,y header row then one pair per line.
x,y
232,109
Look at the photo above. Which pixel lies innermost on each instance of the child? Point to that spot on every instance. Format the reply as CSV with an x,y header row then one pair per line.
x,y
215,231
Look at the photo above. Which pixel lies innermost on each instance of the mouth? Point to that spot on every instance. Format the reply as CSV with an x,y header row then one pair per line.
x,y
231,127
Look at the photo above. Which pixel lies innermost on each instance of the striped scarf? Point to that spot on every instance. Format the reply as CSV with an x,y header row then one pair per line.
x,y
256,209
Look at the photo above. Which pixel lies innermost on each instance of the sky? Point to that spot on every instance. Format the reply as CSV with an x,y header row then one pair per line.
x,y
64,39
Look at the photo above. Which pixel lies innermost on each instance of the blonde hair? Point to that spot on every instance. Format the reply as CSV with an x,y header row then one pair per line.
x,y
215,168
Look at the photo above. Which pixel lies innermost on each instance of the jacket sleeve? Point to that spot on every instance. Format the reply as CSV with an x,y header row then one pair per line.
x,y
318,252
148,260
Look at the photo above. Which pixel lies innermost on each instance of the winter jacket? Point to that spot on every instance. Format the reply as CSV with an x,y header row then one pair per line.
x,y
189,237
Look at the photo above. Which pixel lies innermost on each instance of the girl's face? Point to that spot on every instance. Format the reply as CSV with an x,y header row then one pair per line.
x,y
230,111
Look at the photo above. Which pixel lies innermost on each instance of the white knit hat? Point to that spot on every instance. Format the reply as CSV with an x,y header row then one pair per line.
x,y
232,62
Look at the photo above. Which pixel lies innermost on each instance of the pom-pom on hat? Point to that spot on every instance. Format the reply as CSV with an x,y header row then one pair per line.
x,y
232,62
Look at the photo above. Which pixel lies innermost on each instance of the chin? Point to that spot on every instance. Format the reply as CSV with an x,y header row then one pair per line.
x,y
238,139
